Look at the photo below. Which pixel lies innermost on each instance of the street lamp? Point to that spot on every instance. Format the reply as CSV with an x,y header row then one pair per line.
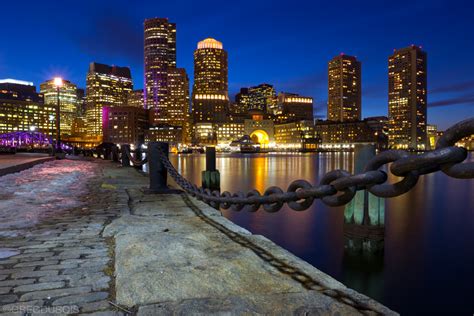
x,y
58,82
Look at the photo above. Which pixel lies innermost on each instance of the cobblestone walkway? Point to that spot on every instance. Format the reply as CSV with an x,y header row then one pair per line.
x,y
63,265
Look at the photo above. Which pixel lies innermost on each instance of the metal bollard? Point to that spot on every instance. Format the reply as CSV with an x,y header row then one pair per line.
x,y
115,156
138,156
125,160
106,153
210,158
211,176
158,172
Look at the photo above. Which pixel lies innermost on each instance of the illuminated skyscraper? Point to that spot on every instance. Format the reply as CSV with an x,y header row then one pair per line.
x,y
261,98
106,86
344,89
160,56
407,89
210,90
178,96
135,99
67,99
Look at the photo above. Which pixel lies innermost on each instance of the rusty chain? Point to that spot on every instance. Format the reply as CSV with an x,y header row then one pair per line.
x,y
134,161
338,187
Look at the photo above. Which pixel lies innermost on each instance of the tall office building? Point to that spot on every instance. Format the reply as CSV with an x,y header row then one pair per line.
x,y
68,102
160,56
105,86
210,90
261,98
407,94
344,89
135,99
178,96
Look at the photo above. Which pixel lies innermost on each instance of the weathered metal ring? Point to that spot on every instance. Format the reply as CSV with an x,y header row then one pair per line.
x,y
252,207
452,135
215,204
238,207
277,204
429,161
306,202
348,193
390,190
225,196
360,180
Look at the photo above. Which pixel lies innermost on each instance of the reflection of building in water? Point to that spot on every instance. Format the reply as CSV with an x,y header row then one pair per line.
x,y
364,216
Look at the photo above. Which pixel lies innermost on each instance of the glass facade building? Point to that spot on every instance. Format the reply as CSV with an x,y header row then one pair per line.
x,y
407,97
344,89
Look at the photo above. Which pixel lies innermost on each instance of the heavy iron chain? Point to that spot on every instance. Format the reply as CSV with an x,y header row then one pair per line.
x,y
134,161
338,187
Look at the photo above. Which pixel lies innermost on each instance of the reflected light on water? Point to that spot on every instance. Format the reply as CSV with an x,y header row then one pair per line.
x,y
429,232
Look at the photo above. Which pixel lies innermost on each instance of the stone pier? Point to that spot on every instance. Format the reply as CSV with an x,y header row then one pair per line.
x,y
131,253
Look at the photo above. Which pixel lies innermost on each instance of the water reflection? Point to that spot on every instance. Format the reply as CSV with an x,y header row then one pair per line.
x,y
429,232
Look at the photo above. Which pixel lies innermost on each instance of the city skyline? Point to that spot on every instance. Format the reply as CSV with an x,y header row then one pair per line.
x,y
256,59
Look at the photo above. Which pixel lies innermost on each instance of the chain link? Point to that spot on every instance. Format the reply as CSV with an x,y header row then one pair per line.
x,y
338,187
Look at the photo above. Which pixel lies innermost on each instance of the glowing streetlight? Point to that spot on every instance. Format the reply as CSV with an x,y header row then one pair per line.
x,y
58,82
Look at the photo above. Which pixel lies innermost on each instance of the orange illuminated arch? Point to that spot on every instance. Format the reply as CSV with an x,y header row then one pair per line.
x,y
260,136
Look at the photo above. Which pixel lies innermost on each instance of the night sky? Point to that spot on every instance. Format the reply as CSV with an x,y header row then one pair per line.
x,y
284,43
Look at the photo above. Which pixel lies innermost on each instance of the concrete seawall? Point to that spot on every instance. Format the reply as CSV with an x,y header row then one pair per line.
x,y
177,255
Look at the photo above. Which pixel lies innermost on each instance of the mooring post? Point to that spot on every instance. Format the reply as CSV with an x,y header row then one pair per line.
x,y
125,160
364,215
158,173
138,156
115,156
211,176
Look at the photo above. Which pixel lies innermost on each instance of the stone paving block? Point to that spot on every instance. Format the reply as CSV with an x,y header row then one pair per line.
x,y
32,274
38,287
20,306
55,293
8,298
17,282
5,290
85,270
94,306
60,266
83,298
36,263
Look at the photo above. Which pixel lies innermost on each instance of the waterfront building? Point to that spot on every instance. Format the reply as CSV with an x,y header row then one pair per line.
x,y
292,107
228,132
344,89
407,97
106,86
22,109
160,56
68,102
125,124
205,134
164,133
344,135
136,99
210,98
260,129
178,97
296,136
